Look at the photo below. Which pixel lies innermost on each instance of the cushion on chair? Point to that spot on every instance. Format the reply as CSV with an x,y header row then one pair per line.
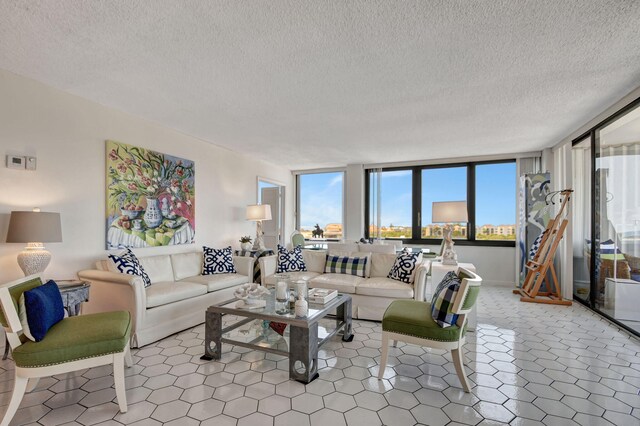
x,y
44,308
413,318
290,261
75,338
443,298
218,261
15,292
343,283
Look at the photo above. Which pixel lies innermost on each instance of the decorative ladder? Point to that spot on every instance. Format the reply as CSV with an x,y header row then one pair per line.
x,y
542,262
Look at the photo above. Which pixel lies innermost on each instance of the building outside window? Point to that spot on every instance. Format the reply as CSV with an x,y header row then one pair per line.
x,y
320,205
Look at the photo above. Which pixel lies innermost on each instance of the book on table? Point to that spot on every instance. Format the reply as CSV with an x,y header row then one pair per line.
x,y
321,295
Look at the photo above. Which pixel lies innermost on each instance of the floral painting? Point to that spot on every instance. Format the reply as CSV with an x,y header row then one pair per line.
x,y
150,198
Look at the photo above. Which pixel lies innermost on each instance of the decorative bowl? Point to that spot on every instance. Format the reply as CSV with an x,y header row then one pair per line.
x,y
131,214
250,293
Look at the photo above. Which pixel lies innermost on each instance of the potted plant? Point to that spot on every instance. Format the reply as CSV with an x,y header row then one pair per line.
x,y
245,243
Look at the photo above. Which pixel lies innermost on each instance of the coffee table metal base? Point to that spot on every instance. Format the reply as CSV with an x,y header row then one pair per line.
x,y
303,341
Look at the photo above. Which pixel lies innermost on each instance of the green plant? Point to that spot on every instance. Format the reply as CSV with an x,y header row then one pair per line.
x,y
246,239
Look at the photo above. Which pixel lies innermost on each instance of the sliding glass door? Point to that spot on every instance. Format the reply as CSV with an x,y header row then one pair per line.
x,y
606,220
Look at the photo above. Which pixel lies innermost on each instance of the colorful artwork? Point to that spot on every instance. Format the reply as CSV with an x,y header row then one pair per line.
x,y
150,198
534,214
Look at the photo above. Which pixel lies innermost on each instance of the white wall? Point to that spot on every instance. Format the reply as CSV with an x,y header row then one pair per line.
x,y
67,135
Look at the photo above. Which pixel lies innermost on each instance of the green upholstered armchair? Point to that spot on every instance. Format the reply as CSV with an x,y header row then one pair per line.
x,y
410,321
75,343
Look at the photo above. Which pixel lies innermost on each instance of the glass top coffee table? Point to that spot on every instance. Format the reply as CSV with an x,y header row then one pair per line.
x,y
305,337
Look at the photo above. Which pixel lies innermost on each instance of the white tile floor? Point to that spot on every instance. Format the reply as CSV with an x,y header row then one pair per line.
x,y
530,364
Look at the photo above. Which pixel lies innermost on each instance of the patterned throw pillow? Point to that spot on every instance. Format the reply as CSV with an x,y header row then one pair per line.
x,y
609,250
290,261
127,263
346,265
218,261
404,266
444,296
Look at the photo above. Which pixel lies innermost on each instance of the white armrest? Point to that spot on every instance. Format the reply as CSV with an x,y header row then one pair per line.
x,y
112,291
244,265
420,282
268,266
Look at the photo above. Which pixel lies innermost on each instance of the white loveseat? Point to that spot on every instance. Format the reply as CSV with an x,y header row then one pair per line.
x,y
176,299
370,295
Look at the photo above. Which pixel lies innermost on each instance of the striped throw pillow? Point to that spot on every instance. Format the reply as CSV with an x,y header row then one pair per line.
x,y
443,298
346,265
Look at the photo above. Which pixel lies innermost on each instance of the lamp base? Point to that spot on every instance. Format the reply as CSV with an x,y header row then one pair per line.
x,y
449,256
34,259
258,245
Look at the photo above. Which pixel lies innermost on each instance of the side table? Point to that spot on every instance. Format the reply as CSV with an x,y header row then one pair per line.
x,y
438,271
257,254
73,293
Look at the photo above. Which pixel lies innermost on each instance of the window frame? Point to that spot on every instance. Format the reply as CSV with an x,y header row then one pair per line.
x,y
416,214
344,199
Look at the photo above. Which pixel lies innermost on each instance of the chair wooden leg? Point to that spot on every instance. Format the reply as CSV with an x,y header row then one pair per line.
x,y
118,377
19,388
33,383
385,354
458,362
128,361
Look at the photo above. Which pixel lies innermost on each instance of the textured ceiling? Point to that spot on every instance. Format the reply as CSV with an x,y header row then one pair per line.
x,y
322,83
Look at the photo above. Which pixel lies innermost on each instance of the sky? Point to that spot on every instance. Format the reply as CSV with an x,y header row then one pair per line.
x,y
321,195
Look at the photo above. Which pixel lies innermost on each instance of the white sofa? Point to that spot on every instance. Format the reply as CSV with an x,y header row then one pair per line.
x,y
370,295
176,299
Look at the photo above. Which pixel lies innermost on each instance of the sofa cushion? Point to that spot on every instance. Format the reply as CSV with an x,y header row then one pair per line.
x,y
75,338
158,268
186,265
217,261
315,260
385,287
168,292
405,266
290,260
341,282
346,265
293,276
127,263
217,281
381,264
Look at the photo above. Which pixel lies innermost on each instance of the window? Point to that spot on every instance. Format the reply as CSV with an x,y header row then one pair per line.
x,y
442,184
400,202
320,205
496,215
391,206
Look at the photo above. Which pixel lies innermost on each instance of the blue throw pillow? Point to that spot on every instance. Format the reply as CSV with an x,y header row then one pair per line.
x,y
44,308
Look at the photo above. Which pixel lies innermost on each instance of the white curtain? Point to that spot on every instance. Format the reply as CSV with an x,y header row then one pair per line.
x,y
620,181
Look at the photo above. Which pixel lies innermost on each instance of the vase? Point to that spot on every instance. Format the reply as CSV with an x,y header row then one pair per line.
x,y
153,215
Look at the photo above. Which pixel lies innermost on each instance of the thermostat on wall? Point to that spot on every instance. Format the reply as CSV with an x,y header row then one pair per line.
x,y
15,162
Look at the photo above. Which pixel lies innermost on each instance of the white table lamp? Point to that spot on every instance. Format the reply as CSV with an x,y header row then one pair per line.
x,y
34,228
258,213
449,212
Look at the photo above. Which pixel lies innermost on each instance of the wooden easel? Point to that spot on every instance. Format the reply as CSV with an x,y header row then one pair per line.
x,y
542,262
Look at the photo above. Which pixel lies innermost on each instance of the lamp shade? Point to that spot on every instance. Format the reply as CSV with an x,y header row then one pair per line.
x,y
259,212
34,227
449,212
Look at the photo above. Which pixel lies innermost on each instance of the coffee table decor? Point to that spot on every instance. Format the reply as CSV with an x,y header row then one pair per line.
x,y
300,341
